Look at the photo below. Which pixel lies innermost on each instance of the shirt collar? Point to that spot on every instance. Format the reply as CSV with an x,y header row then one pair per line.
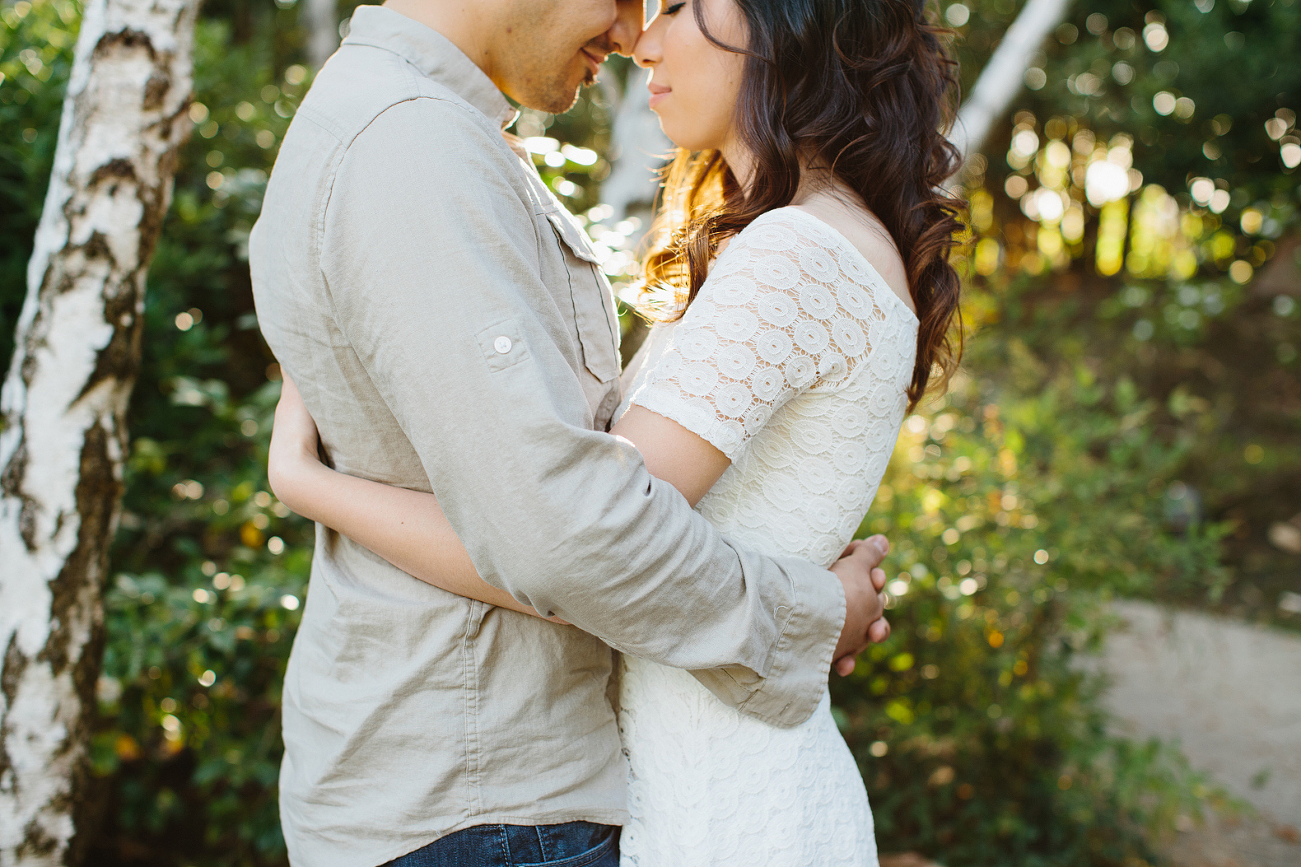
x,y
433,54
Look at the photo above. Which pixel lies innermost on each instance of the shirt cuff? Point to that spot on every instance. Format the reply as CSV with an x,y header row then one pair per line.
x,y
801,659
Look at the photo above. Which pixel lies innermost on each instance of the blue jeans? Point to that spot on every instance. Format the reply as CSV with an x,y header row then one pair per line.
x,y
573,844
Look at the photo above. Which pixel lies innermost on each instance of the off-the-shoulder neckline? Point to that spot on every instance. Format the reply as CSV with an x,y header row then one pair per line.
x,y
847,244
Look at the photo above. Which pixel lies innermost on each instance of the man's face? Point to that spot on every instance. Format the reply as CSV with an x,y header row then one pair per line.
x,y
547,49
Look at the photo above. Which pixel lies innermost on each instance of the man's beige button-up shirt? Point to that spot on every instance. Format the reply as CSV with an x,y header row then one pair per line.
x,y
450,332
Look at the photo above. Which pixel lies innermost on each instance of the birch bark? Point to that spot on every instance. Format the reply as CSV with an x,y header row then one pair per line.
x,y
637,153
63,405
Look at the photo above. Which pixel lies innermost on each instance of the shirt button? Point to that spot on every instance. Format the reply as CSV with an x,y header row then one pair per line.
x,y
502,344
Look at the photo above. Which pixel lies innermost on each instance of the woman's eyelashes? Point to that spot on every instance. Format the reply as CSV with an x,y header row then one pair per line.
x,y
673,8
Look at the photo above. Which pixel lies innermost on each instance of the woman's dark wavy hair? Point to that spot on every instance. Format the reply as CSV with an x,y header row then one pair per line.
x,y
866,87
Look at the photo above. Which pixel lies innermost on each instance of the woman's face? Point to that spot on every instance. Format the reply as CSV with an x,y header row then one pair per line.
x,y
694,84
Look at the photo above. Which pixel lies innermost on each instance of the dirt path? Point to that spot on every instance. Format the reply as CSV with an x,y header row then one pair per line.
x,y
1230,694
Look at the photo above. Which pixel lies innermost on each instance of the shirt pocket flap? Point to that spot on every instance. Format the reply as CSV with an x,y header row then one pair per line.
x,y
573,236
595,315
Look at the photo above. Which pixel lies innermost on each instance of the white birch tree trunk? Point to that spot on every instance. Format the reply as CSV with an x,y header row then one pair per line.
x,y
638,148
321,20
64,404
1004,75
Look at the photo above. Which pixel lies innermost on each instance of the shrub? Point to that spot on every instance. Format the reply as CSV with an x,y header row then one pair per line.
x,y
35,58
1015,516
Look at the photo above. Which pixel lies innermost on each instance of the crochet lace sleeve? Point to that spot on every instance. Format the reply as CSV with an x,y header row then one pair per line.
x,y
789,307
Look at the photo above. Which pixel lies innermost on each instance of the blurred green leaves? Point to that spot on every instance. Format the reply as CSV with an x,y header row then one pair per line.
x,y
36,41
1015,516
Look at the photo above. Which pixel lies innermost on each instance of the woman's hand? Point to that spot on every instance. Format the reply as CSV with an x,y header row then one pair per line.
x,y
293,457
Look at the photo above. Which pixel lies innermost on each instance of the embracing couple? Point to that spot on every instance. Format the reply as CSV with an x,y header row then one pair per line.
x,y
446,332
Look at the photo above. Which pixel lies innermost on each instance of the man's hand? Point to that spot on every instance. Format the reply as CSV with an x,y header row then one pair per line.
x,y
863,580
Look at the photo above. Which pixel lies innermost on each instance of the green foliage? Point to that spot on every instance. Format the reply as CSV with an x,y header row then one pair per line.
x,y
1206,52
210,568
1211,362
35,58
1015,516
1182,276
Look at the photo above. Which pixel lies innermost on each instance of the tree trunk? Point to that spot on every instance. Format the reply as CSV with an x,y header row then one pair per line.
x,y
638,148
64,404
1003,76
321,20
637,153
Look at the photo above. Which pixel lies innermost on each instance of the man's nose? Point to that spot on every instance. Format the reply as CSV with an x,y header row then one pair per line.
x,y
628,24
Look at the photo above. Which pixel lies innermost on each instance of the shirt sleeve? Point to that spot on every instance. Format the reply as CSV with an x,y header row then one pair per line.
x,y
431,254
779,314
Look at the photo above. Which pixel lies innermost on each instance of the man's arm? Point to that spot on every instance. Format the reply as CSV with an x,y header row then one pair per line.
x,y
432,261
408,528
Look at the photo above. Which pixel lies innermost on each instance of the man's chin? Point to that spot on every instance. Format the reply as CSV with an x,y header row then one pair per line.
x,y
554,97
555,105
561,99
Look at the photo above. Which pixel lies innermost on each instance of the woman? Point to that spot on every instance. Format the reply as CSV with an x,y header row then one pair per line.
x,y
806,243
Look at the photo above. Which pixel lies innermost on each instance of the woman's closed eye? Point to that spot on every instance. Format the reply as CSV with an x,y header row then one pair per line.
x,y
673,8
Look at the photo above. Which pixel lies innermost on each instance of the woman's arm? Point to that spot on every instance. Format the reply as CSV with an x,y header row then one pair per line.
x,y
672,453
407,528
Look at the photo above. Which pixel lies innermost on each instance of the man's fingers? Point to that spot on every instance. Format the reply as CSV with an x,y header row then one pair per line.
x,y
863,579
879,631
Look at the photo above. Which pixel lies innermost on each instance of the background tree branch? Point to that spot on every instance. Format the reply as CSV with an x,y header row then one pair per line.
x,y
1001,79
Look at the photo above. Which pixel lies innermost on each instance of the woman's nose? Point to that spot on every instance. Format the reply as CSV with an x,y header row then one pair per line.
x,y
647,51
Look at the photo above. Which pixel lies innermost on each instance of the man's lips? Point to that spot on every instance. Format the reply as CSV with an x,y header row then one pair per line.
x,y
593,60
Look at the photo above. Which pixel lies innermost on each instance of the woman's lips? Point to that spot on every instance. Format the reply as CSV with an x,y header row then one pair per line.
x,y
657,93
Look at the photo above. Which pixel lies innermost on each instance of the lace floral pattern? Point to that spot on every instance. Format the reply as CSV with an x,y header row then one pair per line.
x,y
793,361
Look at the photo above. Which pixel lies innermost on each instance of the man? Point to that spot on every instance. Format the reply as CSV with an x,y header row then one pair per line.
x,y
449,331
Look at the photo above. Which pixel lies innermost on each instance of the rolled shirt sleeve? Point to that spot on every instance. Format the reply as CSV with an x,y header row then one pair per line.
x,y
432,260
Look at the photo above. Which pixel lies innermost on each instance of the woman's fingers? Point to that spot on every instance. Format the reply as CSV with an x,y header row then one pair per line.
x,y
294,424
878,545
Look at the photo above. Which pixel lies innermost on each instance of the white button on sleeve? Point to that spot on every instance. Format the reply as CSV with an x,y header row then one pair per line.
x,y
502,344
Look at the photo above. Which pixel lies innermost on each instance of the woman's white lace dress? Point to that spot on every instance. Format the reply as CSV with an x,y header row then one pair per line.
x,y
793,360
